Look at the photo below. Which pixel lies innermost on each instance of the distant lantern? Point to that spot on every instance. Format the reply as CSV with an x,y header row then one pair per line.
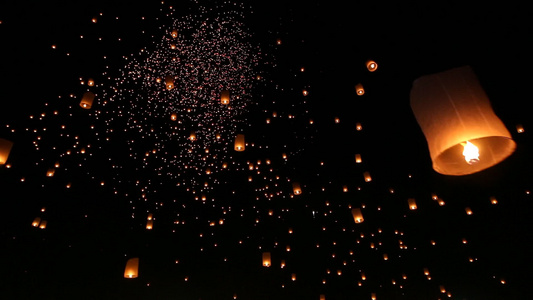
x,y
239,142
173,116
357,215
468,211
169,82
87,100
43,224
296,189
90,82
150,216
50,172
371,65
132,268
5,148
267,261
322,297
192,136
149,224
519,128
455,115
359,89
412,203
358,158
174,33
224,97
36,222
367,176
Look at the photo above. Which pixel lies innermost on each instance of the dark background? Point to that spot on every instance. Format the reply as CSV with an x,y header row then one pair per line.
x,y
90,233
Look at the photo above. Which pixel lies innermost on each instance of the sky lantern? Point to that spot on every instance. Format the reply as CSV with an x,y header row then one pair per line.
x,y
224,97
296,189
359,89
192,136
173,116
5,148
132,268
367,176
174,33
412,203
90,82
371,65
50,172
267,261
169,82
149,224
357,215
36,222
463,133
239,142
87,100
358,159
43,224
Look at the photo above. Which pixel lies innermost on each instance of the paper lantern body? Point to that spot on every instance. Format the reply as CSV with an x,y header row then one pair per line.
x,y
451,108
5,148
87,100
357,215
267,261
239,142
224,97
132,268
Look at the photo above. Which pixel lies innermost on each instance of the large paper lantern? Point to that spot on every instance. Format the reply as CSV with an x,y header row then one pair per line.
x,y
132,268
463,133
5,148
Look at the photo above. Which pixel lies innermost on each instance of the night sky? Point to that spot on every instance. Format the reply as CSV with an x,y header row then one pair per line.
x,y
291,69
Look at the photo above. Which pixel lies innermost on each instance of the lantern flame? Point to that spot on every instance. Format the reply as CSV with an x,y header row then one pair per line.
x,y
471,153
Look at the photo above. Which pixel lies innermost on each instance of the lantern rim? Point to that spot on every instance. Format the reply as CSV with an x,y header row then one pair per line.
x,y
493,150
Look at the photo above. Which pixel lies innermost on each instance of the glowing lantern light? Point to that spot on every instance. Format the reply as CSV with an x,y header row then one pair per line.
x,y
357,215
358,159
169,82
239,142
87,100
470,152
371,65
296,189
224,97
412,203
90,82
132,268
36,222
174,33
50,172
322,297
293,277
452,108
5,148
173,116
150,216
359,89
519,128
267,261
